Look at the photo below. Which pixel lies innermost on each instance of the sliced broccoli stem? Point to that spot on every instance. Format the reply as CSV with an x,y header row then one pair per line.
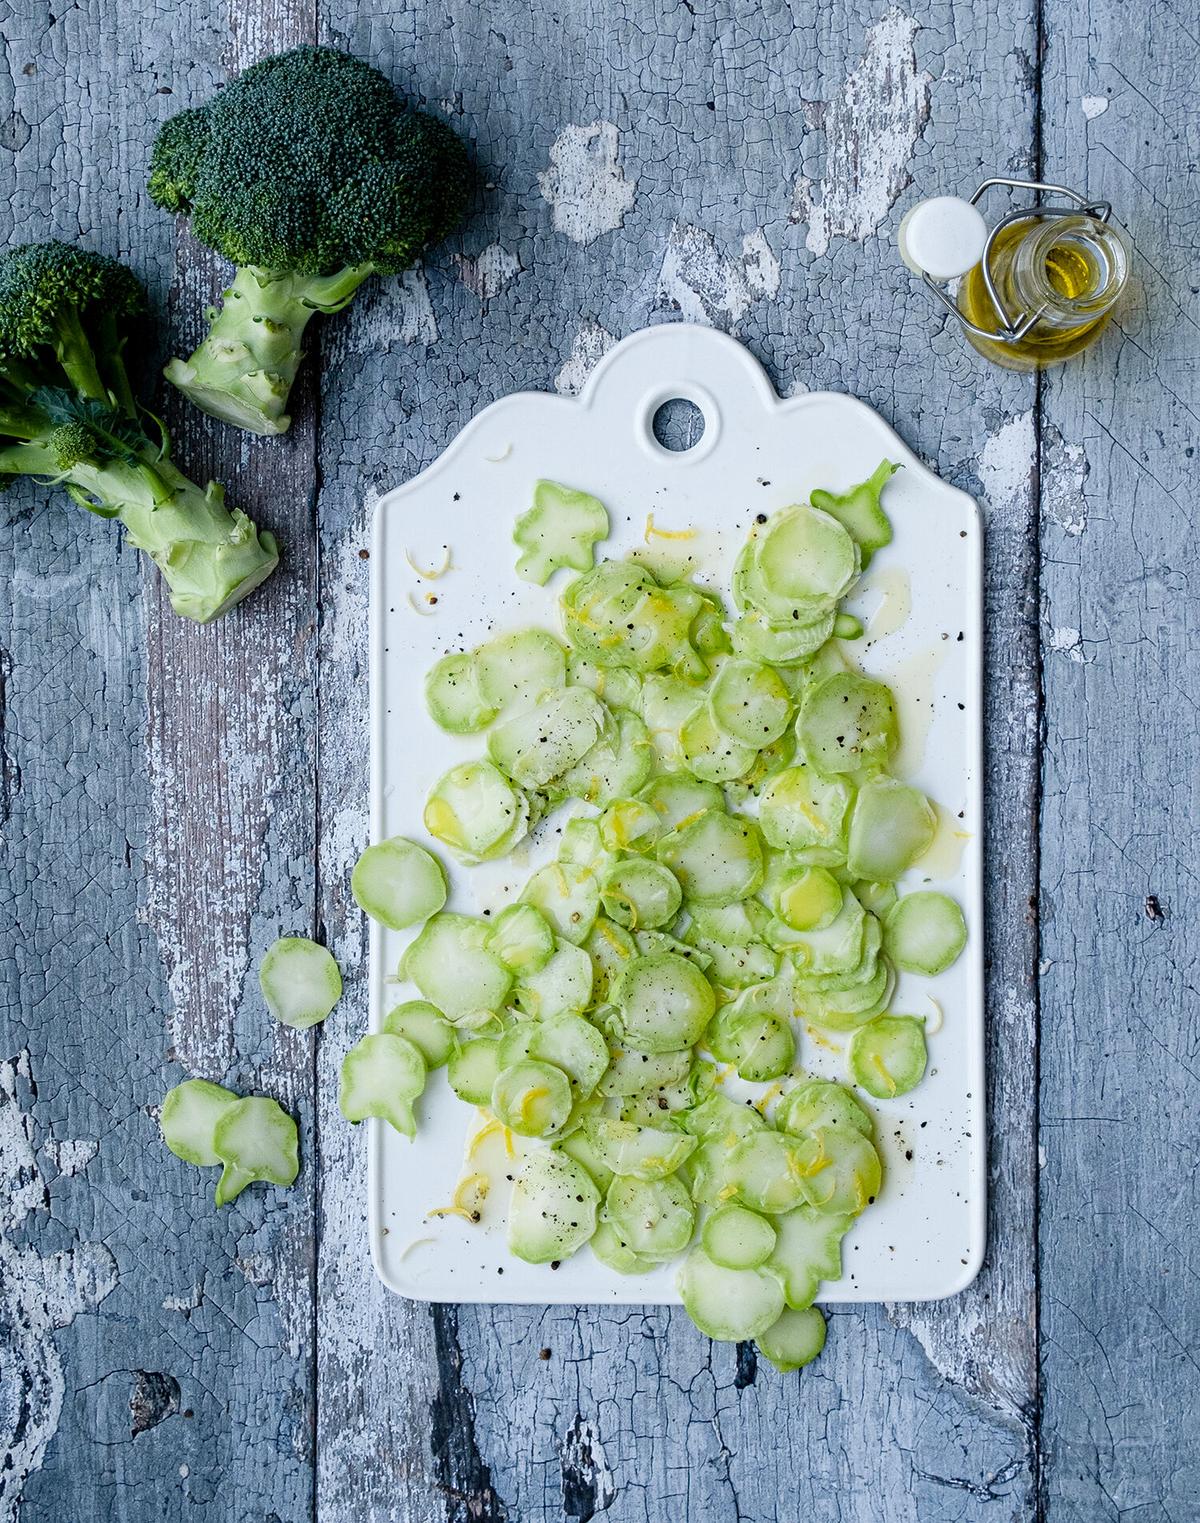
x,y
244,369
210,557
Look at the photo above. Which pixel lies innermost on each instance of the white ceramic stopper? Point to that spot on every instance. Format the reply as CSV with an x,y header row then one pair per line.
x,y
942,237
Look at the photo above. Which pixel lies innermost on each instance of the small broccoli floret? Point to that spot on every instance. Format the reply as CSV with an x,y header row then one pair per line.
x,y
309,173
73,444
67,414
48,291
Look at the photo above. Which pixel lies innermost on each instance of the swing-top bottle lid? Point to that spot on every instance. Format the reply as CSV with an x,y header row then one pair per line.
x,y
943,237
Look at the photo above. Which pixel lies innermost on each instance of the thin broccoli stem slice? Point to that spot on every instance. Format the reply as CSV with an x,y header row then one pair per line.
x,y
243,371
210,556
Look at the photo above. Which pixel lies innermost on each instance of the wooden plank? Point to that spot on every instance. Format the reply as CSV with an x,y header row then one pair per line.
x,y
455,1414
160,832
1121,823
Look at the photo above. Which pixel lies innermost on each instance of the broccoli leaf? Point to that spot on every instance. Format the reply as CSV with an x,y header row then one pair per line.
x,y
85,430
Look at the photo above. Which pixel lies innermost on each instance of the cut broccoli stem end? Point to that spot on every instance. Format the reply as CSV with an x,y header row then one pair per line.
x,y
243,371
210,557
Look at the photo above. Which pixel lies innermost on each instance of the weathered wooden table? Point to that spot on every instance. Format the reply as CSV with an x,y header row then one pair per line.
x,y
173,798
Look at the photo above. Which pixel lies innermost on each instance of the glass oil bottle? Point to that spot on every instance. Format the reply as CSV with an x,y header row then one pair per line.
x,y
1035,290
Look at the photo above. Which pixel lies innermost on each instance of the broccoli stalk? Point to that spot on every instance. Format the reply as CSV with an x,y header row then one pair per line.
x,y
244,369
309,173
68,416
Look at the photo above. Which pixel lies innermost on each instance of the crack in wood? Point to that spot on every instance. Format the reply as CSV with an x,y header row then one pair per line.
x,y
461,1473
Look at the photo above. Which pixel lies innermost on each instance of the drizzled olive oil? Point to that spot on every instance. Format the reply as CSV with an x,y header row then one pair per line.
x,y
1070,270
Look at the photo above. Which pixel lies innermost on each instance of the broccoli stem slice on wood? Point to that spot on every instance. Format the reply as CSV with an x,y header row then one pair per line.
x,y
243,370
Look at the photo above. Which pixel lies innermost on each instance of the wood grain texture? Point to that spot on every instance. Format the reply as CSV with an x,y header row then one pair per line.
x,y
172,799
1121,818
161,830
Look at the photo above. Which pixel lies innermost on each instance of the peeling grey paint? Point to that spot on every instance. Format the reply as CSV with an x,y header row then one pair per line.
x,y
705,286
40,1294
922,1412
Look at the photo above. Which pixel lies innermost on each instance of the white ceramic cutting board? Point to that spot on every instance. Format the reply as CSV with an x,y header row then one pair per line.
x,y
925,1237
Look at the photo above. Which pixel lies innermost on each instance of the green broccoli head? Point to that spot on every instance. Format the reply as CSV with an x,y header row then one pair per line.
x,y
310,162
175,161
43,286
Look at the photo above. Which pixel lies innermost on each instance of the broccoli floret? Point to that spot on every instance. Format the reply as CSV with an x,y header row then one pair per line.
x,y
309,173
73,444
47,288
67,414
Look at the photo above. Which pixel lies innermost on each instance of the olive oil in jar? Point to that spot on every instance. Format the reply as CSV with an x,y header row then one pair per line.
x,y
1070,271
1038,287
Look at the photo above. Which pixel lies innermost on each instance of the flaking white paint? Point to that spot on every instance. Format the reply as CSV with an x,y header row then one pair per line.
x,y
384,313
39,1295
706,286
1005,466
487,273
585,184
589,346
583,1458
870,130
1065,469
1066,640
186,1303
71,1158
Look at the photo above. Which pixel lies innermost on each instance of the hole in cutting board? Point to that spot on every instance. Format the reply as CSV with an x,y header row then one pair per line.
x,y
678,425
